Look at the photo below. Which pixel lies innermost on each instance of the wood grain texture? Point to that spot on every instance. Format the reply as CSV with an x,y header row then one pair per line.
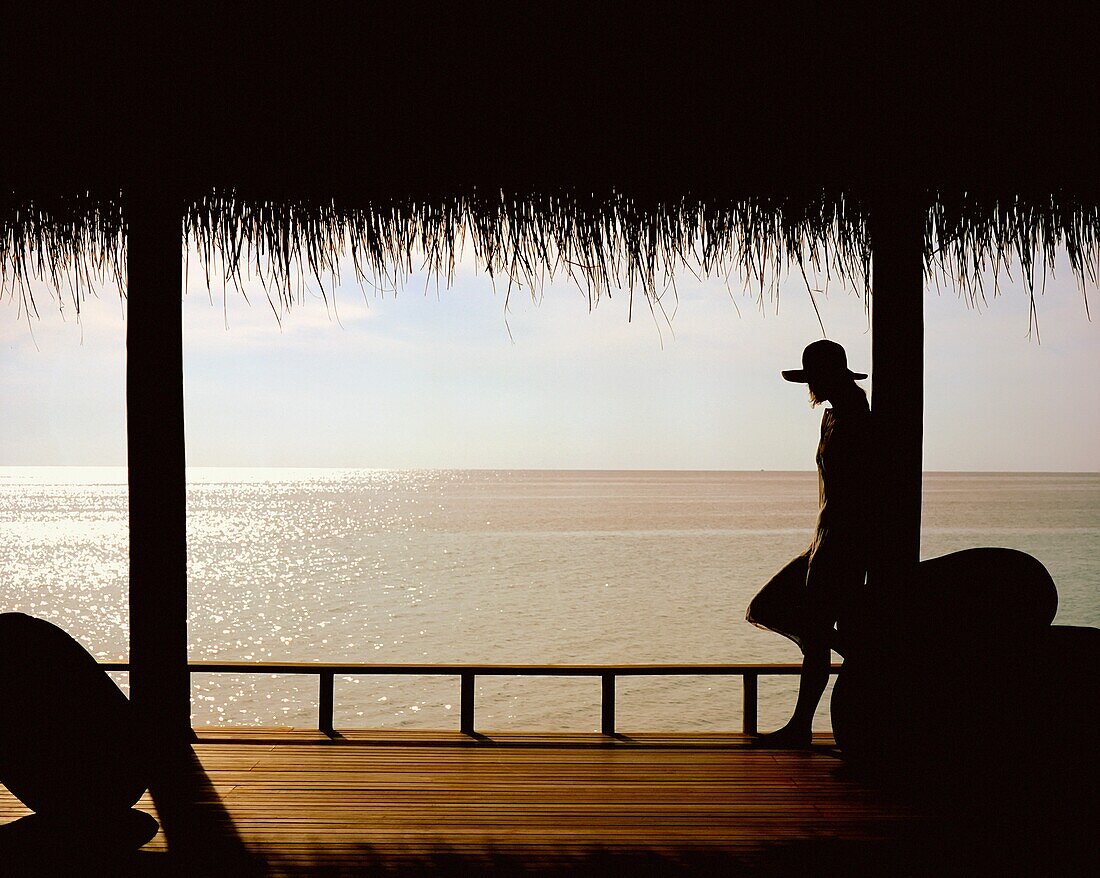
x,y
300,800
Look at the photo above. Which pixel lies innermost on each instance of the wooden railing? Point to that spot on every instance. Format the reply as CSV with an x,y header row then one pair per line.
x,y
467,674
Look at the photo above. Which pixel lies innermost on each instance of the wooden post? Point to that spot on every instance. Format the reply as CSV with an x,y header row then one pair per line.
x,y
160,683
749,702
324,702
466,705
897,374
607,704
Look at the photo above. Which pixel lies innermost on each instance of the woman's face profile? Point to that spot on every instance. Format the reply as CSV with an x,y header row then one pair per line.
x,y
818,391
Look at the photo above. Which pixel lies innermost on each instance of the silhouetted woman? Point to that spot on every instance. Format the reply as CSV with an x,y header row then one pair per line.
x,y
820,588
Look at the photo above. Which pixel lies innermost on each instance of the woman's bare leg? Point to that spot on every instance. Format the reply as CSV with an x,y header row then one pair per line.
x,y
811,685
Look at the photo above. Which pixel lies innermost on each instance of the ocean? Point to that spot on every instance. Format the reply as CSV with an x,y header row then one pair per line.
x,y
486,567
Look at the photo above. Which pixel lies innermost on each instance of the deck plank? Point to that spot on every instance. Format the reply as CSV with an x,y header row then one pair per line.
x,y
299,800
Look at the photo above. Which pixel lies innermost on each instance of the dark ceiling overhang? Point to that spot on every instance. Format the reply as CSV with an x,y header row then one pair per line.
x,y
411,99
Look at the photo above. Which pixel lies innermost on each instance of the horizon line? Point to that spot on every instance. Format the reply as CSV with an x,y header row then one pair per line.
x,y
532,469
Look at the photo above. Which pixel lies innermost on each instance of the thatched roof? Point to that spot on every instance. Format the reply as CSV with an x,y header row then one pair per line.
x,y
552,142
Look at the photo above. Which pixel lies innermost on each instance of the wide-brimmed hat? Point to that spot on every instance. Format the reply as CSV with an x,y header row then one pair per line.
x,y
822,359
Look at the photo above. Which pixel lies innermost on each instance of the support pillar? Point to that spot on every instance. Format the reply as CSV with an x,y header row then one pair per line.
x,y
160,685
897,390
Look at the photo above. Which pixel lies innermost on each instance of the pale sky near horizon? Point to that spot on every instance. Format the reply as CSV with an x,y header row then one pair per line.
x,y
418,380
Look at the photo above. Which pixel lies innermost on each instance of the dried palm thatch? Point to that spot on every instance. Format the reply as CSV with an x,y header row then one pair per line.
x,y
72,243
601,241
972,240
616,149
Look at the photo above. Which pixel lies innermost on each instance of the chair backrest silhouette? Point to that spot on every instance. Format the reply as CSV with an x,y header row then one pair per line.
x,y
978,592
68,740
964,674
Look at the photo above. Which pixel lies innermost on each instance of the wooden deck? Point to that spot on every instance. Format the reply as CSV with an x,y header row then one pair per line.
x,y
296,802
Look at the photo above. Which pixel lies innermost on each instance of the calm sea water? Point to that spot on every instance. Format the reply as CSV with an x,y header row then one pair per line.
x,y
475,566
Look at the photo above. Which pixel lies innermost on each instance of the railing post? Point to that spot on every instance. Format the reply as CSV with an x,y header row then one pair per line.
x,y
607,702
324,702
466,723
748,710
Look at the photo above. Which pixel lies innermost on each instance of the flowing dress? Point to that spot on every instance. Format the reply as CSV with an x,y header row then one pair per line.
x,y
824,585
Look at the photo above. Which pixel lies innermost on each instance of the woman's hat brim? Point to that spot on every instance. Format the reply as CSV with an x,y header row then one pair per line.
x,y
801,376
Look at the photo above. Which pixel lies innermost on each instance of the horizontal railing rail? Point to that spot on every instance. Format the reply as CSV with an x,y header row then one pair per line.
x,y
327,672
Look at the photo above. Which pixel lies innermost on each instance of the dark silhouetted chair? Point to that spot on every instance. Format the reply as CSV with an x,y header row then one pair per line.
x,y
70,749
957,681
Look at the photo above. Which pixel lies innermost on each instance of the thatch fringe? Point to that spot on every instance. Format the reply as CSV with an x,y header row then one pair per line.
x,y
72,243
602,242
973,240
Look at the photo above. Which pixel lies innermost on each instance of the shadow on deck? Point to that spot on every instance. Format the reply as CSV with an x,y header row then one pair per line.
x,y
290,802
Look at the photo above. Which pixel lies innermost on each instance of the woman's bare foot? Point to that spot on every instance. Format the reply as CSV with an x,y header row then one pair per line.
x,y
786,738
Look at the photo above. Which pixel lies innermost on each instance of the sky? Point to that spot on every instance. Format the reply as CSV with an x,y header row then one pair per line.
x,y
446,378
